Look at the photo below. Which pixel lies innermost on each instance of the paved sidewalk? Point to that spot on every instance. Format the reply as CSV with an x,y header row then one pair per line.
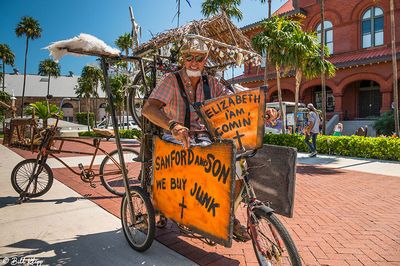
x,y
372,166
62,227
346,213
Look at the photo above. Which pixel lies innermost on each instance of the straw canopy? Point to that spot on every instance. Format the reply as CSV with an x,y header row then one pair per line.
x,y
227,44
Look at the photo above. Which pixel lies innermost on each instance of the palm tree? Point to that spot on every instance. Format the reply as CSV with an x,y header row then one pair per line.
x,y
91,75
29,27
269,6
229,7
7,57
274,41
43,110
266,64
124,42
49,68
84,89
304,57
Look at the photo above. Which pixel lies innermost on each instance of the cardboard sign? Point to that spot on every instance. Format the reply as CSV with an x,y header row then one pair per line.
x,y
238,116
195,187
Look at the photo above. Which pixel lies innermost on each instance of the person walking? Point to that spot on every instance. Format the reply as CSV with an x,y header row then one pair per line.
x,y
312,130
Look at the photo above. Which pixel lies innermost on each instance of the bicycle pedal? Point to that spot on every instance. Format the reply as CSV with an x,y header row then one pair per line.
x,y
81,167
93,185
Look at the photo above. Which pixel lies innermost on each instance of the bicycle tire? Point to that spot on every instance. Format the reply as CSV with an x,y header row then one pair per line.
x,y
22,173
273,252
137,231
136,96
114,183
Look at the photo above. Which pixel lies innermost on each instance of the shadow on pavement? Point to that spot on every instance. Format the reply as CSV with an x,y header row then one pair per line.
x,y
11,200
192,248
317,170
91,249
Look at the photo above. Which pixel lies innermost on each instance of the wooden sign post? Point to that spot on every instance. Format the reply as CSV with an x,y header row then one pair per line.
x,y
238,116
194,187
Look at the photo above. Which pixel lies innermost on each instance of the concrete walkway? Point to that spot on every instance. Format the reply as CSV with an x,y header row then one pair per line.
x,y
63,228
346,213
372,166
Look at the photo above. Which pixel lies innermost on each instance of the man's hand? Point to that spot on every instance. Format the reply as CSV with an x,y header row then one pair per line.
x,y
181,133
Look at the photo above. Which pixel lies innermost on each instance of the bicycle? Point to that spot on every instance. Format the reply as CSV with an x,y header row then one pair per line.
x,y
32,178
270,239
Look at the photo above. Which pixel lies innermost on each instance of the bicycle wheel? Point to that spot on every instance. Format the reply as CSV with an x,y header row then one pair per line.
x,y
140,232
39,181
111,173
137,94
271,241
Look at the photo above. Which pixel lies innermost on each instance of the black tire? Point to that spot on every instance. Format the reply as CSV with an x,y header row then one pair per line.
x,y
141,235
111,174
42,180
266,246
137,94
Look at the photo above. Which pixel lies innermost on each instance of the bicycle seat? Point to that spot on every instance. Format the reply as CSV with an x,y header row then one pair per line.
x,y
107,133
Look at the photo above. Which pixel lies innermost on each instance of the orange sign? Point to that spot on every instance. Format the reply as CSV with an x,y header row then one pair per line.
x,y
195,187
238,116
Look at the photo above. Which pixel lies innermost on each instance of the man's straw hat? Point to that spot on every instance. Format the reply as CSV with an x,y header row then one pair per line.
x,y
194,46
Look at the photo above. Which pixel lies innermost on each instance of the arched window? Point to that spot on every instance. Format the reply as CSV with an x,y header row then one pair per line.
x,y
372,27
328,29
67,105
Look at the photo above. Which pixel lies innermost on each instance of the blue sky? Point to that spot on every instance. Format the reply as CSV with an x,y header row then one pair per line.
x,y
104,19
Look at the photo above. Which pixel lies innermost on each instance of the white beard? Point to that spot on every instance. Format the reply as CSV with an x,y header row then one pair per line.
x,y
192,73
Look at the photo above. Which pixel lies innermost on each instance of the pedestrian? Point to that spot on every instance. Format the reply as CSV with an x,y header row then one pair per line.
x,y
338,130
170,105
312,130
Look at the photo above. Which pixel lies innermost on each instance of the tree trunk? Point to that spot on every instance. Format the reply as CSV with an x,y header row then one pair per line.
x,y
281,111
87,111
269,8
4,72
23,86
323,69
47,97
299,75
394,65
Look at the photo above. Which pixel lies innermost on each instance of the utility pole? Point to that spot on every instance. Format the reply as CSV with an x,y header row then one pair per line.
x,y
394,64
323,86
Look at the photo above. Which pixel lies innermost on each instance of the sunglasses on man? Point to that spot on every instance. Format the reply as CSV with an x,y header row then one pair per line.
x,y
197,58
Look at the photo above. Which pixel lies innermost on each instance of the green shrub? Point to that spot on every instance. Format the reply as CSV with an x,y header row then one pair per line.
x,y
123,133
6,98
82,118
384,148
385,124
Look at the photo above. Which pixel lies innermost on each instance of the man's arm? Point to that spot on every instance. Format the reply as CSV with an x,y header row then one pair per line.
x,y
152,110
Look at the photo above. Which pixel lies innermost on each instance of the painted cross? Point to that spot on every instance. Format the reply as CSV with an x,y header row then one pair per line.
x,y
183,206
238,136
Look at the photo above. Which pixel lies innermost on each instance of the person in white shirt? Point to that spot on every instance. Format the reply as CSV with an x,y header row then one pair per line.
x,y
312,130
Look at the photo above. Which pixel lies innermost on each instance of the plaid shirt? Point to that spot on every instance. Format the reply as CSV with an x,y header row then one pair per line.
x,y
167,91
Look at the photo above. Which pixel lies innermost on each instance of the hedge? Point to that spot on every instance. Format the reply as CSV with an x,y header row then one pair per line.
x,y
383,148
123,133
82,118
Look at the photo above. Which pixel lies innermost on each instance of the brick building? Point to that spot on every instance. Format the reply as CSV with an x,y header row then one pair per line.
x,y
61,87
358,37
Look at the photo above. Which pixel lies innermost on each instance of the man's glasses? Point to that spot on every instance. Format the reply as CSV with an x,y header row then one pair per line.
x,y
197,58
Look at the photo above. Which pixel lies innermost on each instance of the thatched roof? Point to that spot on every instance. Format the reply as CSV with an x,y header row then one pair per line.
x,y
227,43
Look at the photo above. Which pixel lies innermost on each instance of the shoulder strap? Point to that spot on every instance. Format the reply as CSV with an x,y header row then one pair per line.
x,y
185,99
206,88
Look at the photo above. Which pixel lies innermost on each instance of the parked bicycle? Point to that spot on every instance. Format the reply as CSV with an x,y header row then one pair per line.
x,y
34,177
